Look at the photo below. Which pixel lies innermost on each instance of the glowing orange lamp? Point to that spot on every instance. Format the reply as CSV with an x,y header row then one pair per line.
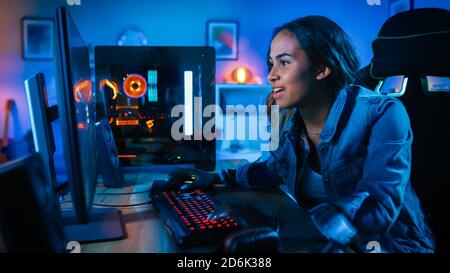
x,y
241,75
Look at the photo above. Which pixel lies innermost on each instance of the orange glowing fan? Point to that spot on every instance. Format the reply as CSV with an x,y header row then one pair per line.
x,y
135,86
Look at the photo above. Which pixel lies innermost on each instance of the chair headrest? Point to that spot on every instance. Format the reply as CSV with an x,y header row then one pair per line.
x,y
413,43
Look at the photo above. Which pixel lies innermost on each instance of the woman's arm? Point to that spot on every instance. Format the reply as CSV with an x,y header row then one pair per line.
x,y
375,205
258,174
262,174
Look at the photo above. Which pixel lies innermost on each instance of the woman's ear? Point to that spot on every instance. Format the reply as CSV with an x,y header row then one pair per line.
x,y
322,72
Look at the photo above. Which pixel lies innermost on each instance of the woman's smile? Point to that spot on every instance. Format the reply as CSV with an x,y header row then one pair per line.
x,y
278,92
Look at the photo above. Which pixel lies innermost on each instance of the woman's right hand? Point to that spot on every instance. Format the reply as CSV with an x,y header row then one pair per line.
x,y
200,179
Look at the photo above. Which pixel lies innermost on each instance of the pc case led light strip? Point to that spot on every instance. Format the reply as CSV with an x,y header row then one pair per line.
x,y
152,86
188,103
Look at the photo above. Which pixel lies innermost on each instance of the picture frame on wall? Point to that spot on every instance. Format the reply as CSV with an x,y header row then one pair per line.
x,y
224,37
37,38
397,6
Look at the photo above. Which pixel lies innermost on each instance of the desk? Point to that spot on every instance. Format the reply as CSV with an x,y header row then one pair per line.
x,y
145,233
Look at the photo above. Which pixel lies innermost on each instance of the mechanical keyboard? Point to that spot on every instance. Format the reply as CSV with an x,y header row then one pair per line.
x,y
186,213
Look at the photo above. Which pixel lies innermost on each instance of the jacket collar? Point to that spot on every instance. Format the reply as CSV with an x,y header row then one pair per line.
x,y
331,124
332,121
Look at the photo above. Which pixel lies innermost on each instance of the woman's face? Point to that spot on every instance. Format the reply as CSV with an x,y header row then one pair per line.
x,y
291,77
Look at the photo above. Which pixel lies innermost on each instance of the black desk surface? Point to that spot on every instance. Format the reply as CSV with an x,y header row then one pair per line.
x,y
145,233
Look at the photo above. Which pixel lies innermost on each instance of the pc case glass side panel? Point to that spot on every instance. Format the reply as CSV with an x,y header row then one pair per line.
x,y
143,135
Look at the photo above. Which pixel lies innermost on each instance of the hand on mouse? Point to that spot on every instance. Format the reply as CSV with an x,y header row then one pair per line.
x,y
198,178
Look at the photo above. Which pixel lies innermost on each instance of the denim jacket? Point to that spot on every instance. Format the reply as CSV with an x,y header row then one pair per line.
x,y
365,157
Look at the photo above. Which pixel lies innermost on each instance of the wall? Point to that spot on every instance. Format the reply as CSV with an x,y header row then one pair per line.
x,y
445,4
13,69
174,22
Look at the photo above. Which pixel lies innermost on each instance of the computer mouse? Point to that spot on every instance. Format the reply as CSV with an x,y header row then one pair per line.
x,y
181,181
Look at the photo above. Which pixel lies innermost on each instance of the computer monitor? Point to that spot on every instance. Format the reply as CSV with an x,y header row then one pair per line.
x,y
138,87
41,116
76,112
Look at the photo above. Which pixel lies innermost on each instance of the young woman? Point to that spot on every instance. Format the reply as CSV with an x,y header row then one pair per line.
x,y
345,151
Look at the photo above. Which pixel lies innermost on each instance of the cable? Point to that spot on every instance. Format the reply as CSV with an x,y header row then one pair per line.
x,y
122,206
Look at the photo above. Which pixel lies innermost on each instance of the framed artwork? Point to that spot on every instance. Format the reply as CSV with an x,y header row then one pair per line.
x,y
397,6
37,38
223,36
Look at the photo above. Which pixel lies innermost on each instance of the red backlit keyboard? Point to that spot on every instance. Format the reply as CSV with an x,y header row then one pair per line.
x,y
186,213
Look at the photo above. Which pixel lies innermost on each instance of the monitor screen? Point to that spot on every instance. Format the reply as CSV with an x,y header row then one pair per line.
x,y
76,109
138,87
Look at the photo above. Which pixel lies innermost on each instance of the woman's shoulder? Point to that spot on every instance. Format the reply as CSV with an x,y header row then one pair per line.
x,y
363,95
377,103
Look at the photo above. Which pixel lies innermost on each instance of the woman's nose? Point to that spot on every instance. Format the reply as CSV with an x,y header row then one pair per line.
x,y
273,76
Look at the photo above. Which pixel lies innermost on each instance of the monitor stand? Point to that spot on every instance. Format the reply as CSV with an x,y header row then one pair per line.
x,y
105,225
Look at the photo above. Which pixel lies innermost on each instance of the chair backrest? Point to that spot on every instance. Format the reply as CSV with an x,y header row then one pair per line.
x,y
416,44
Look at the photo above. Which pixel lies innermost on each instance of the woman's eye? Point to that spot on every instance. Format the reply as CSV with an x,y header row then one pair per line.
x,y
284,63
